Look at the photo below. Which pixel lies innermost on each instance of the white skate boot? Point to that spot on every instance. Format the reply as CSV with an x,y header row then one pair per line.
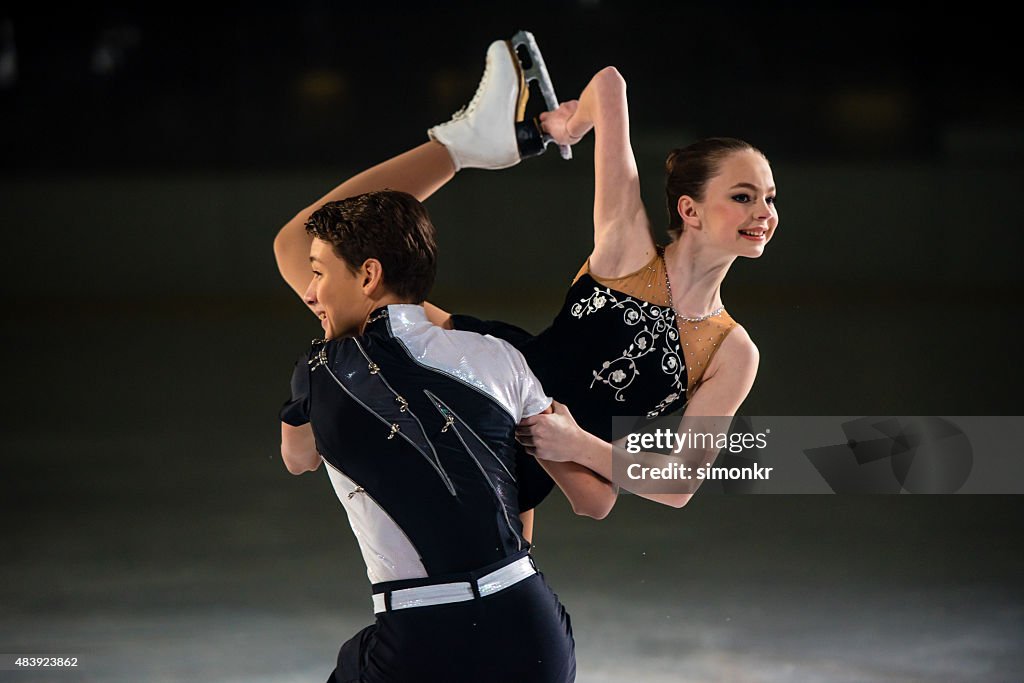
x,y
490,132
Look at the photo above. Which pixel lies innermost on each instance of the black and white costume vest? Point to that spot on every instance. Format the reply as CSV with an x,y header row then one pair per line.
x,y
416,428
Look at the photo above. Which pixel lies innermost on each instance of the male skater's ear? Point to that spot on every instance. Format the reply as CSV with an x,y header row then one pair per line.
x,y
371,276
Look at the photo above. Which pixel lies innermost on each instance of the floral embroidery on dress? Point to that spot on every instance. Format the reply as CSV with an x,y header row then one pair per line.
x,y
658,332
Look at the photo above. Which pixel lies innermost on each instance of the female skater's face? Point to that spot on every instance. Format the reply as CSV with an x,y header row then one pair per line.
x,y
738,210
334,294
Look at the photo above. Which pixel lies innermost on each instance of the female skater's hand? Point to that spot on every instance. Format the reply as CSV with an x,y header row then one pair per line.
x,y
557,124
551,436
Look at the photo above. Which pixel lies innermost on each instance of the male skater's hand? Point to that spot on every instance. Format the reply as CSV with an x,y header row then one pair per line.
x,y
553,436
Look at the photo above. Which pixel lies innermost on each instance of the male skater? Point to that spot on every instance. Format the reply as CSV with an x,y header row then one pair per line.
x,y
416,425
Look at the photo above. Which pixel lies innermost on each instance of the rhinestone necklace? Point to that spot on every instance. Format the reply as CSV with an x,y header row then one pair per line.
x,y
672,301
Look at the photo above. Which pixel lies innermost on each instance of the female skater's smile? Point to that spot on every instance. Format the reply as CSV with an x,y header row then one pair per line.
x,y
741,199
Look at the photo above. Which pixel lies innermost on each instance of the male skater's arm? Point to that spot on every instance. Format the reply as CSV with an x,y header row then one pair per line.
x,y
420,172
298,449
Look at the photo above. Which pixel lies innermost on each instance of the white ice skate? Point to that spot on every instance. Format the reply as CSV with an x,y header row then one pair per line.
x,y
490,132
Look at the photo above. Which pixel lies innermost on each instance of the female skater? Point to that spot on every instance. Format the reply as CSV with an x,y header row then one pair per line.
x,y
643,330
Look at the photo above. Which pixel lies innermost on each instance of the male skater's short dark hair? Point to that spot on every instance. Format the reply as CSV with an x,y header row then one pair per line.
x,y
390,226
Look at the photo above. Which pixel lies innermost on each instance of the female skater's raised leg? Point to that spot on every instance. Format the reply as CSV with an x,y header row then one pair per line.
x,y
489,133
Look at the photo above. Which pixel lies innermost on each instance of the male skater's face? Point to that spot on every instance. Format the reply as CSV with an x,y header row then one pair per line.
x,y
335,293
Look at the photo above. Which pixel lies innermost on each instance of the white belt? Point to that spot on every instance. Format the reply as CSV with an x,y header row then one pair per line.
x,y
461,591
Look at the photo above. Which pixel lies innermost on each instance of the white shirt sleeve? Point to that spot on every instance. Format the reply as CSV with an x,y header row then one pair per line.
x,y
532,398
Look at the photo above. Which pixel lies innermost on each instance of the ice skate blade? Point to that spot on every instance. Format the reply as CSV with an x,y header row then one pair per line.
x,y
539,72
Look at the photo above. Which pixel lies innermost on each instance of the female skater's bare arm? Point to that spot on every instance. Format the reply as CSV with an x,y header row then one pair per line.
x,y
556,436
420,172
721,394
590,494
622,232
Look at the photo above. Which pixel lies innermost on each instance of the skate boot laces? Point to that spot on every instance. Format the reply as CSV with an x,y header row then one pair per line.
x,y
468,109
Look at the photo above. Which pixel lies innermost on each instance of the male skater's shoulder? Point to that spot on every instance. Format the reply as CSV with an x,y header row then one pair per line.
x,y
491,365
402,361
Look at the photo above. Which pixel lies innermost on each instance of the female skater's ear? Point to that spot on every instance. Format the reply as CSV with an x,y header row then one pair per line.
x,y
687,209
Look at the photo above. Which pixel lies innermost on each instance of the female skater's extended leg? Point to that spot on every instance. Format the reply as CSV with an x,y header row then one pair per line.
x,y
488,133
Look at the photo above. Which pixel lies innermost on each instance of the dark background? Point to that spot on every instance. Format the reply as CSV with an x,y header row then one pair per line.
x,y
255,86
147,158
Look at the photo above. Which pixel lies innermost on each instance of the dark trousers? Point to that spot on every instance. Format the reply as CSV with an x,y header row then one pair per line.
x,y
519,635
